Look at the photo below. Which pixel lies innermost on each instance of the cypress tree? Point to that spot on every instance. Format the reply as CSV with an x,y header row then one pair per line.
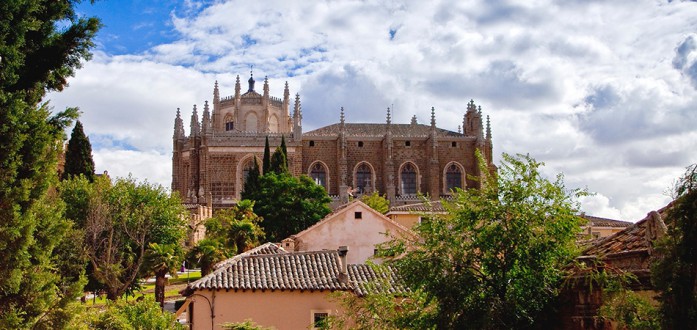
x,y
78,156
284,150
251,183
279,163
266,165
37,282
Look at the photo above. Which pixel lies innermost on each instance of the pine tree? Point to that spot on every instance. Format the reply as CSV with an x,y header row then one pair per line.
x,y
266,165
251,183
42,43
78,156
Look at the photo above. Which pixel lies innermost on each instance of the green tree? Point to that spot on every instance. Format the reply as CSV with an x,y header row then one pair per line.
x,y
279,162
78,156
41,45
207,253
266,162
494,261
120,222
238,227
376,202
675,272
125,315
288,204
251,182
161,259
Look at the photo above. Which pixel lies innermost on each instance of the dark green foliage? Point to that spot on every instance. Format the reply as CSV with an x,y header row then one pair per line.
x,y
36,58
283,148
279,162
266,162
238,228
251,183
78,156
494,261
675,272
288,204
207,253
143,313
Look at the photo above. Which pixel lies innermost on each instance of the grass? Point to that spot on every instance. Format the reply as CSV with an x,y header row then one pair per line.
x,y
149,289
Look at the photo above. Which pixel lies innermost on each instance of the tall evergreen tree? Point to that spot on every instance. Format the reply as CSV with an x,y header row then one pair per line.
x,y
279,162
267,158
251,183
42,43
284,149
78,156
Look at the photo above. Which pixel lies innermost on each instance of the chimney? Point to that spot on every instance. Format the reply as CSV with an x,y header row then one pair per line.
x,y
343,272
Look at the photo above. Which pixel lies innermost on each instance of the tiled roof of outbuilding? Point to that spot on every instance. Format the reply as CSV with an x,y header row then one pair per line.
x,y
604,222
378,130
264,249
434,206
367,279
316,270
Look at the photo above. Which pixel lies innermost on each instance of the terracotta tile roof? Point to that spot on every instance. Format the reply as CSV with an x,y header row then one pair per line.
x,y
378,130
367,279
434,206
264,249
604,222
316,270
634,238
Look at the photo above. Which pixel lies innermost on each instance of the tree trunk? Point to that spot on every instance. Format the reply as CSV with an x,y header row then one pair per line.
x,y
160,283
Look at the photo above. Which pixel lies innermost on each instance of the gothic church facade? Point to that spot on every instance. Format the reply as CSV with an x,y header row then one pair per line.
x,y
401,161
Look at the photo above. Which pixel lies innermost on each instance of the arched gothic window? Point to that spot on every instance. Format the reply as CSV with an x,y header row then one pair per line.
x,y
408,179
364,175
319,174
229,124
453,177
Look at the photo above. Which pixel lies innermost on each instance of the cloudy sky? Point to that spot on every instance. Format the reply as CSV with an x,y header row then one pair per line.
x,y
602,91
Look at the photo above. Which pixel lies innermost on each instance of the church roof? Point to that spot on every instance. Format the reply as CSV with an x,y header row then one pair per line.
x,y
378,130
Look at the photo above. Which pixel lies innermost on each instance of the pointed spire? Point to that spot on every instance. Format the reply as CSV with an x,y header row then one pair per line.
x,y
206,124
433,117
413,120
251,81
479,110
297,112
341,117
266,86
389,117
237,86
195,127
178,126
286,92
488,128
459,129
216,93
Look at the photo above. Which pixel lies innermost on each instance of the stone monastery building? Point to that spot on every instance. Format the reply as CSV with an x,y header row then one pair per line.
x,y
402,161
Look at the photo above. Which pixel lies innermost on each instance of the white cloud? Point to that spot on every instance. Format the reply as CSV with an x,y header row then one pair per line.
x,y
602,91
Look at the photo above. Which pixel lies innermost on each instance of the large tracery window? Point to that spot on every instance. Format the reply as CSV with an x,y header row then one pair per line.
x,y
453,177
319,174
408,179
363,177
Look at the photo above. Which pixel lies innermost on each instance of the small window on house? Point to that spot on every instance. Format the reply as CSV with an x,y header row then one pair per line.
x,y
358,215
407,143
319,319
312,143
453,144
375,252
360,144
